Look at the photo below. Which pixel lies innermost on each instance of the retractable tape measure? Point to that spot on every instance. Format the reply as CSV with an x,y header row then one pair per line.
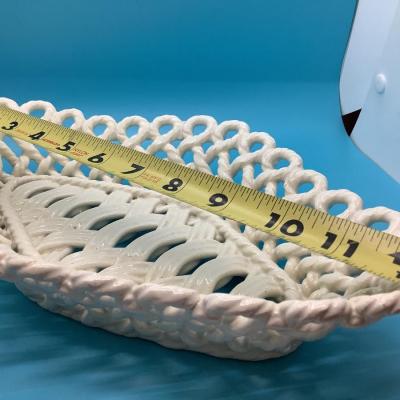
x,y
352,243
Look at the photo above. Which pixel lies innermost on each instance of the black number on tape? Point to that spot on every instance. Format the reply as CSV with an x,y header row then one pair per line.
x,y
330,238
273,220
351,249
12,125
66,146
136,168
37,136
217,200
173,185
97,159
287,227
396,258
293,227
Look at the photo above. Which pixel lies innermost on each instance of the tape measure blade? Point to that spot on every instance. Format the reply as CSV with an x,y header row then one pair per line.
x,y
320,232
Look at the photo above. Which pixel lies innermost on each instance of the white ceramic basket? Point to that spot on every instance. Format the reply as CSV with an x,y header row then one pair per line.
x,y
139,264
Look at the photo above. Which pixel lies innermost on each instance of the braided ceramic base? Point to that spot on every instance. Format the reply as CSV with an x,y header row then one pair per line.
x,y
140,264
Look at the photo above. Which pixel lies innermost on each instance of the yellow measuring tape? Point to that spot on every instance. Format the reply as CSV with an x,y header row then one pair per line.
x,y
355,244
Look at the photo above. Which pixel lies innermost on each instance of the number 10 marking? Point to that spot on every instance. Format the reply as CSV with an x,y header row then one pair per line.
x,y
295,227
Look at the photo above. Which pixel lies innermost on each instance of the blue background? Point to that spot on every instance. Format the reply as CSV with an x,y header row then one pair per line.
x,y
274,64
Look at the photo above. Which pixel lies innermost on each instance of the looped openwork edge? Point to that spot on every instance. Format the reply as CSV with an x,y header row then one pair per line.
x,y
219,324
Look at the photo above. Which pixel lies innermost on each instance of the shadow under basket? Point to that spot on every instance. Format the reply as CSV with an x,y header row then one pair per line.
x,y
137,263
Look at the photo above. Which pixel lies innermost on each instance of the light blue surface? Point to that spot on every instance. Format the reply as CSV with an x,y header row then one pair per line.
x,y
283,80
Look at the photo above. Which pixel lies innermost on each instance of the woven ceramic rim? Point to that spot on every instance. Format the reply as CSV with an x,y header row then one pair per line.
x,y
224,325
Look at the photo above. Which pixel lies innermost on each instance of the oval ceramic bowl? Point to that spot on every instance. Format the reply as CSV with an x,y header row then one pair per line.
x,y
139,264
